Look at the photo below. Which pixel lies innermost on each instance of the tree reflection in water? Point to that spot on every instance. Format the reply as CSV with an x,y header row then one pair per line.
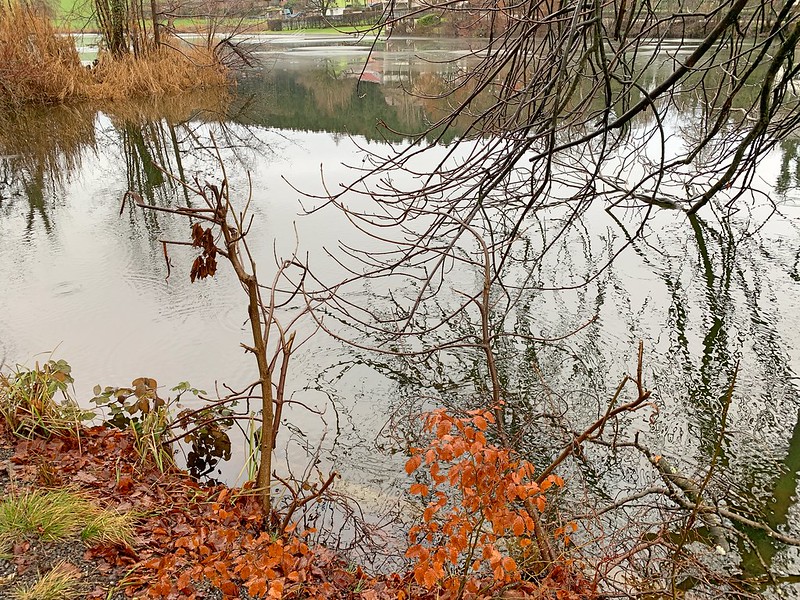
x,y
704,293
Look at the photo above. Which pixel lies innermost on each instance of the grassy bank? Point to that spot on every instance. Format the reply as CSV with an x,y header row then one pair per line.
x,y
88,513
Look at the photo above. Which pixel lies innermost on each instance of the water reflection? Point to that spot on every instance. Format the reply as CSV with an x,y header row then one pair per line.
x,y
42,149
740,323
789,177
703,294
328,99
39,151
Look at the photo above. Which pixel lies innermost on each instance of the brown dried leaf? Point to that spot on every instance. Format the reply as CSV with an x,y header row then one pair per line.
x,y
198,262
197,234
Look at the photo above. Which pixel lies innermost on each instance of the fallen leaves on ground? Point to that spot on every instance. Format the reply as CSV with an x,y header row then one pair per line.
x,y
192,537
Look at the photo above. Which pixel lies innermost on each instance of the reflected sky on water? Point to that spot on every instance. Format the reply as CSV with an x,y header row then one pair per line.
x,y
85,278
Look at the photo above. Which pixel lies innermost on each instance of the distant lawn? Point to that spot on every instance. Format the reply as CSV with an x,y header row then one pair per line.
x,y
188,25
65,6
327,30
74,14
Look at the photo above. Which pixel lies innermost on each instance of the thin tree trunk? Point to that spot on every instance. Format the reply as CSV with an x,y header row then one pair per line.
x,y
264,477
156,29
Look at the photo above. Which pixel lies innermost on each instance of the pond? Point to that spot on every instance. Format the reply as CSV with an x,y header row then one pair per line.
x,y
84,279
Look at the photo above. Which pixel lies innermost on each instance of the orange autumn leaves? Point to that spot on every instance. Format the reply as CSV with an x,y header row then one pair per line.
x,y
462,532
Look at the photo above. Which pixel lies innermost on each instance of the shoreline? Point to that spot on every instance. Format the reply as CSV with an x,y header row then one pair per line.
x,y
189,540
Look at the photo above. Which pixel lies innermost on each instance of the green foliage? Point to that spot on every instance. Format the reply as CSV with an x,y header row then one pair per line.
x,y
206,431
129,406
152,421
140,409
429,20
28,405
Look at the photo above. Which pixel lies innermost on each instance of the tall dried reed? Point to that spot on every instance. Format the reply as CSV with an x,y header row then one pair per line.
x,y
164,71
39,66
36,64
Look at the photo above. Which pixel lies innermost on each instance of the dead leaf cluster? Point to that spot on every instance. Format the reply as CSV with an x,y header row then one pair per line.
x,y
190,538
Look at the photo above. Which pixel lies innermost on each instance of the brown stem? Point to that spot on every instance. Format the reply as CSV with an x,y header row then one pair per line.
x,y
286,349
299,503
642,397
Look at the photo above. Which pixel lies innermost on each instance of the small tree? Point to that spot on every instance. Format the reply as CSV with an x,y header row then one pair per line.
x,y
564,108
323,6
219,229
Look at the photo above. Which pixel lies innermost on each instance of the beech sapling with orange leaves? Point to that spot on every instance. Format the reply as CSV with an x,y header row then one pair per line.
x,y
479,495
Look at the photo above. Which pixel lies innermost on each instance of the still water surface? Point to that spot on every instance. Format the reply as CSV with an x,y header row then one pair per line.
x,y
87,282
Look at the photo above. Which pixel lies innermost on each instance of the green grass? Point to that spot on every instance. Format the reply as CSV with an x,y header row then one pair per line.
x,y
65,7
54,515
74,15
325,30
260,26
28,401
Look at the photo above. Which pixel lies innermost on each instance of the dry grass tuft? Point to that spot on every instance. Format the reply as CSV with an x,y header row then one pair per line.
x,y
36,64
39,66
165,71
62,582
28,403
62,514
